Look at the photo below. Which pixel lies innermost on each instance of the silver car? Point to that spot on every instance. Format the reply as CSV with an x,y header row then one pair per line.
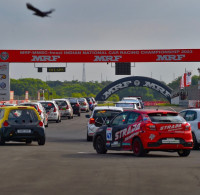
x,y
65,108
83,104
52,110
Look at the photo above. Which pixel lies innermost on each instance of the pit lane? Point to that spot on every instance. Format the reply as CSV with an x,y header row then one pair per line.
x,y
68,164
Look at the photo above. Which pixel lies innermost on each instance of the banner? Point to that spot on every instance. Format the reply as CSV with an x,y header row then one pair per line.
x,y
186,80
4,81
97,56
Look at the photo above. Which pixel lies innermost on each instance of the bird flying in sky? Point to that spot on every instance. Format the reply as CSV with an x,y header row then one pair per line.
x,y
37,12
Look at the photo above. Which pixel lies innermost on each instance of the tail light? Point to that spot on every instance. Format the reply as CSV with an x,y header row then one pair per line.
x,y
150,126
5,124
198,125
67,107
187,127
92,121
41,124
84,103
54,110
40,111
90,102
77,105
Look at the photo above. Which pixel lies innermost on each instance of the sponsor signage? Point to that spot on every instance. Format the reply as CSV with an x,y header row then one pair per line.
x,y
4,80
63,56
56,69
136,81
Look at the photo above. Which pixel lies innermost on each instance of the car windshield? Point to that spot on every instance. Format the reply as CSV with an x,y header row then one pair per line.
x,y
166,118
21,116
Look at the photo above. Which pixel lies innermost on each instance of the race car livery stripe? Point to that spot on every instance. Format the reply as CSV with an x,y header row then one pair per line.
x,y
127,131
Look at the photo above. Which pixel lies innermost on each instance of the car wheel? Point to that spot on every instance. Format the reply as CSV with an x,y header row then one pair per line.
x,y
72,117
100,145
2,142
41,141
79,114
89,138
69,117
183,153
138,149
28,141
196,145
58,120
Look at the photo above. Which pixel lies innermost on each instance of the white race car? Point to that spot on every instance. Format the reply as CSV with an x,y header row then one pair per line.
x,y
99,117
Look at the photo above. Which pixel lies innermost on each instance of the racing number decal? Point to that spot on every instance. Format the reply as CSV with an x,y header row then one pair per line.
x,y
109,134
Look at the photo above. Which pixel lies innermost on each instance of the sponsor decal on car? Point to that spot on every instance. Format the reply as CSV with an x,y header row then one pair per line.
x,y
152,136
109,134
127,131
171,127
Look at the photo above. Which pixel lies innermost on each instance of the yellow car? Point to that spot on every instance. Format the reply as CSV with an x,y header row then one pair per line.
x,y
22,124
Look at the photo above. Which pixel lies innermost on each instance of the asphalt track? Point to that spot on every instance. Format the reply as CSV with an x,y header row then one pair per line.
x,y
68,164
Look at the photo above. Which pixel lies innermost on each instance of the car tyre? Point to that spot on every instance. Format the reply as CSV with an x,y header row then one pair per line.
x,y
100,145
41,141
138,148
183,153
47,124
196,145
2,142
79,114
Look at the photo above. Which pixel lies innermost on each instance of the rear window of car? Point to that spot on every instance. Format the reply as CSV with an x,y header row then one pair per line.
x,y
105,113
33,105
61,103
125,105
73,100
19,116
101,116
47,105
166,118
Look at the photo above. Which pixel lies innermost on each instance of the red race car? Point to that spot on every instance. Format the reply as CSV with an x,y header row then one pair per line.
x,y
142,131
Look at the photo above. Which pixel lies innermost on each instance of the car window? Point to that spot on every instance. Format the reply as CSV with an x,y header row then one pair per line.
x,y
48,106
190,115
1,113
61,103
132,117
120,119
166,117
125,105
183,114
19,116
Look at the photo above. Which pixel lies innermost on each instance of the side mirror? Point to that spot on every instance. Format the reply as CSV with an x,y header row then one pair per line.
x,y
87,116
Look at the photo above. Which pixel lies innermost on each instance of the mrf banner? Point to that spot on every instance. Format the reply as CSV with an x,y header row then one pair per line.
x,y
97,56
4,81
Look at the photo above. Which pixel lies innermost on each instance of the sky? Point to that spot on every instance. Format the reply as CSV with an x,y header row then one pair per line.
x,y
105,24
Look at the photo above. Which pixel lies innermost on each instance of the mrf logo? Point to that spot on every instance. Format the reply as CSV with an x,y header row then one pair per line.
x,y
170,57
45,58
107,58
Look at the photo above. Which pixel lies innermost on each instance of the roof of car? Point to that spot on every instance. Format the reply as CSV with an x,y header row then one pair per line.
x,y
108,108
148,111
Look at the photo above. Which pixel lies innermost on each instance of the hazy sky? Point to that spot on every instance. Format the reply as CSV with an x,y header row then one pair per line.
x,y
101,24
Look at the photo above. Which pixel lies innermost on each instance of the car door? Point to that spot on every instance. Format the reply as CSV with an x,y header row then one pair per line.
x,y
117,125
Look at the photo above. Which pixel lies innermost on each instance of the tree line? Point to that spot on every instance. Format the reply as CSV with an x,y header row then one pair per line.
x,y
59,89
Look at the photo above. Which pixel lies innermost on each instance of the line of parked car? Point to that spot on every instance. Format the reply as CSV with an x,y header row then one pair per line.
x,y
26,122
